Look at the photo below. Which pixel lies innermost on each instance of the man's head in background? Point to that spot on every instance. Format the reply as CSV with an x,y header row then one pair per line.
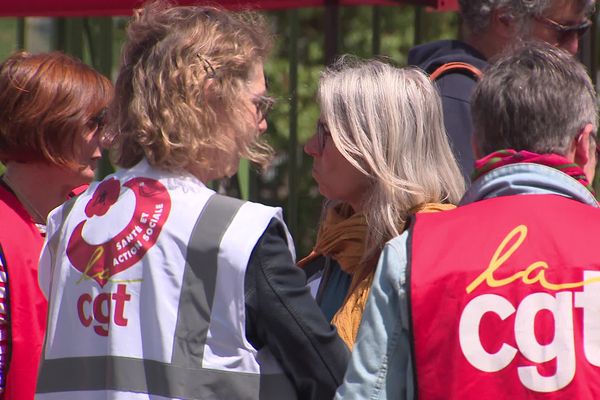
x,y
492,25
539,99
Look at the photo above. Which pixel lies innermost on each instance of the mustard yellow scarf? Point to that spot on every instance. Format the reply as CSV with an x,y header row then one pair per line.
x,y
348,317
342,237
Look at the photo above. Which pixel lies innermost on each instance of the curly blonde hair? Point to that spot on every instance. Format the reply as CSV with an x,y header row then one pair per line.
x,y
178,90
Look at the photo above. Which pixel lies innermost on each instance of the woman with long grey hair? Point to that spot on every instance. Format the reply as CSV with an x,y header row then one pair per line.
x,y
380,155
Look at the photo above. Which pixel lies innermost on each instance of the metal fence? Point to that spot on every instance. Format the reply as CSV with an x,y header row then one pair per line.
x,y
97,41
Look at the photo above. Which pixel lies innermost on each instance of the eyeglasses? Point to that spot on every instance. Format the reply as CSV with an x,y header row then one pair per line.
x,y
565,31
263,104
96,123
322,134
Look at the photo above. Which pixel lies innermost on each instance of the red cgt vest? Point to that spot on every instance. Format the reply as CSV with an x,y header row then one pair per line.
x,y
22,244
505,300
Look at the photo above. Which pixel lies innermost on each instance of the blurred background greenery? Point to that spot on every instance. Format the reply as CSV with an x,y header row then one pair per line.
x,y
292,74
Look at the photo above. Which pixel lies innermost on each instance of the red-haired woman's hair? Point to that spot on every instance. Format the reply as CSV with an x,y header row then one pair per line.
x,y
46,100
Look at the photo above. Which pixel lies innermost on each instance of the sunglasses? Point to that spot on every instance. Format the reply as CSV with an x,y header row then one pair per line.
x,y
322,134
97,122
565,32
263,104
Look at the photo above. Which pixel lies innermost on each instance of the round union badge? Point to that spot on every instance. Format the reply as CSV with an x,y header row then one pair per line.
x,y
101,262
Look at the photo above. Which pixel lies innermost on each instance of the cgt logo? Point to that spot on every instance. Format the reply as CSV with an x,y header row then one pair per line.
x,y
101,262
560,307
99,309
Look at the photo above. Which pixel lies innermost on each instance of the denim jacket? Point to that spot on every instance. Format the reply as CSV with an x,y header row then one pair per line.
x,y
381,364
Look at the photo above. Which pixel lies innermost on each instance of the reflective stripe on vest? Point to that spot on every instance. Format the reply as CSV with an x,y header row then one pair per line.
x,y
183,377
505,300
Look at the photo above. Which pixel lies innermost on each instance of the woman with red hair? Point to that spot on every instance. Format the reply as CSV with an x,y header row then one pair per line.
x,y
51,117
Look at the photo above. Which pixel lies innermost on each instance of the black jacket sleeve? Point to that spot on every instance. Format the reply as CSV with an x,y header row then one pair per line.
x,y
281,314
456,90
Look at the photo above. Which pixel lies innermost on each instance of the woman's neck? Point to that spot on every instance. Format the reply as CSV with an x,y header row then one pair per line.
x,y
37,186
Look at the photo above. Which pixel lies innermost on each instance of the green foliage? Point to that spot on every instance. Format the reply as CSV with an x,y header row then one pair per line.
x,y
355,37
399,29
8,36
396,27
8,44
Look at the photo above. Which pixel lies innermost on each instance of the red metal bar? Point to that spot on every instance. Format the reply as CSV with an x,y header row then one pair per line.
x,y
446,5
72,8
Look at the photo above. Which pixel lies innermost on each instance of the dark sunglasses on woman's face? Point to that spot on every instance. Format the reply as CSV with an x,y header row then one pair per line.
x,y
564,32
97,122
322,135
263,104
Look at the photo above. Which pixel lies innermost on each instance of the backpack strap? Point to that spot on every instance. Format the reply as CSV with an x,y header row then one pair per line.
x,y
455,67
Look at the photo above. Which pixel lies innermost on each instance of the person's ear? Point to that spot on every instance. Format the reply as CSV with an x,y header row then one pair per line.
x,y
503,24
582,146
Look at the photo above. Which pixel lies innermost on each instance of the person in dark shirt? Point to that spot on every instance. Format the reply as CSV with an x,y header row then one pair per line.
x,y
490,27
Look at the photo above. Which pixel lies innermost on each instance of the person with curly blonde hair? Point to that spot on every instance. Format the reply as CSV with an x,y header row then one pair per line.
x,y
159,287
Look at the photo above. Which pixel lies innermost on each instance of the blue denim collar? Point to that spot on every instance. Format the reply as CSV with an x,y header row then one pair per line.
x,y
527,178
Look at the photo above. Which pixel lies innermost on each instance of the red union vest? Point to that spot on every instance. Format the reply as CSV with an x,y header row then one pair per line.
x,y
21,243
505,300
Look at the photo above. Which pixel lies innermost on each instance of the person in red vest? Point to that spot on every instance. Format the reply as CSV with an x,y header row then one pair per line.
x,y
51,117
489,26
499,298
